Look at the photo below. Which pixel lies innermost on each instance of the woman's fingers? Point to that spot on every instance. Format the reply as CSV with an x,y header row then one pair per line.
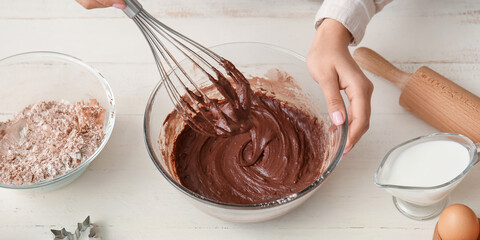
x,y
340,72
331,65
328,80
120,4
359,91
91,4
359,119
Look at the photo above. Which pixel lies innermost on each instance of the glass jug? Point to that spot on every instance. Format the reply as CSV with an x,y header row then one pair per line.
x,y
420,202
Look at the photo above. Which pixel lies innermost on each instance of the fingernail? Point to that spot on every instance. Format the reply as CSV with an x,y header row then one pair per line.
x,y
337,118
118,5
348,149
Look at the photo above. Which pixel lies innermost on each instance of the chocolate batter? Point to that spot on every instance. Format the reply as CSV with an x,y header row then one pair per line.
x,y
281,154
226,117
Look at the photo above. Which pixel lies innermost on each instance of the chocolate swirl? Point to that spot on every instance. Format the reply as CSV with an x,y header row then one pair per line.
x,y
280,155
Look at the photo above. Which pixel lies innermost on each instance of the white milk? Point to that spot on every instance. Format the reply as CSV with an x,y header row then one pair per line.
x,y
428,164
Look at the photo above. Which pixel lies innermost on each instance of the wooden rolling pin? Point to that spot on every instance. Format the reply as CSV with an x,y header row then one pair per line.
x,y
430,96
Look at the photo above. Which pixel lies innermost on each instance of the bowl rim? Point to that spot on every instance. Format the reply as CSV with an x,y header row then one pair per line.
x,y
338,156
111,111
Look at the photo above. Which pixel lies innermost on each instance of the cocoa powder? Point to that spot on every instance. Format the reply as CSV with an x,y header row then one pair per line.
x,y
48,139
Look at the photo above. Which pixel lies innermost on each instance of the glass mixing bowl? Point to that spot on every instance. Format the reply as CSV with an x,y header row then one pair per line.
x,y
40,76
253,60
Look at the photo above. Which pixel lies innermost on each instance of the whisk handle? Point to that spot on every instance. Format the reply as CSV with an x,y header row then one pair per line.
x,y
132,8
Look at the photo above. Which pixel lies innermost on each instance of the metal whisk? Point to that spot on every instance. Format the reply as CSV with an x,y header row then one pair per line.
x,y
204,114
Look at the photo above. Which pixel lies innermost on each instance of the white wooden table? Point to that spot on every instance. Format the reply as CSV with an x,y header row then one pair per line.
x,y
128,198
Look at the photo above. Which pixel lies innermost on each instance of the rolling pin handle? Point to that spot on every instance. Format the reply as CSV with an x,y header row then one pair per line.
x,y
371,61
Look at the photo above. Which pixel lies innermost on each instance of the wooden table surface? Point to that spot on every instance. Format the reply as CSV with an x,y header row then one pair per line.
x,y
128,198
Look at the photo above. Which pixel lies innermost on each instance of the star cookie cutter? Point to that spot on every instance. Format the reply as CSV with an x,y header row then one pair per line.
x,y
63,234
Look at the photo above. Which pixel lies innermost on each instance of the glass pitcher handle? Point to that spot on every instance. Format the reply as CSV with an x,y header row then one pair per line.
x,y
478,151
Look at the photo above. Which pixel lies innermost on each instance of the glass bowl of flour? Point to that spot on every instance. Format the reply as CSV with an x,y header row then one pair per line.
x,y
56,115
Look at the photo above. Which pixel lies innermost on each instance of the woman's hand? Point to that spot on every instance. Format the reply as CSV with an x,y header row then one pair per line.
x,y
332,66
89,4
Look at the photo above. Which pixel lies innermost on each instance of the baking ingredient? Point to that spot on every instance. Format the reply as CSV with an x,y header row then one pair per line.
x,y
428,164
226,117
436,236
456,222
280,155
47,139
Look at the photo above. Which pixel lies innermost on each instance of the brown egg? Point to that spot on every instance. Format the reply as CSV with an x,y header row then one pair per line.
x,y
436,236
458,222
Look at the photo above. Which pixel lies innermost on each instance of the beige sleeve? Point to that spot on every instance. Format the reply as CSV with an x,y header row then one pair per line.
x,y
353,14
